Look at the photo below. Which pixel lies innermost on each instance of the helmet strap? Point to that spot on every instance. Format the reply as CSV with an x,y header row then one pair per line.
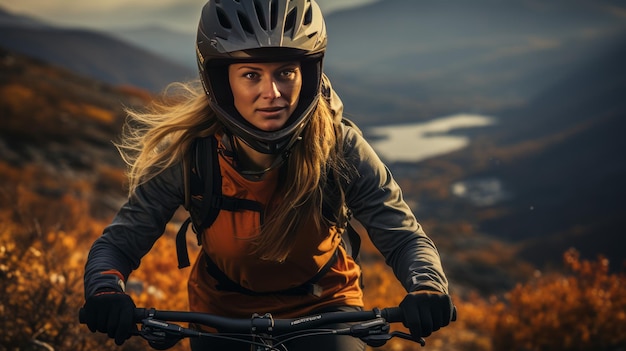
x,y
278,161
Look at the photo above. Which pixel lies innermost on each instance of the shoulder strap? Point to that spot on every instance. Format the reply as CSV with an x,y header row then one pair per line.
x,y
203,194
202,183
205,183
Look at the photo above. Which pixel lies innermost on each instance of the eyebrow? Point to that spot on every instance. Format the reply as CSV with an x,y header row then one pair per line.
x,y
255,68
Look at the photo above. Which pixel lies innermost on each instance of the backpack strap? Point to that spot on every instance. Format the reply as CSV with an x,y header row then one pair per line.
x,y
203,194
202,183
181,245
310,287
206,184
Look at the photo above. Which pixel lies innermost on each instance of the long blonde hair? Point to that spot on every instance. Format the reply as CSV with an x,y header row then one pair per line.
x,y
160,136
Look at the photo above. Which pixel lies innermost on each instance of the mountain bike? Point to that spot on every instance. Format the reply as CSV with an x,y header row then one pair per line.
x,y
265,333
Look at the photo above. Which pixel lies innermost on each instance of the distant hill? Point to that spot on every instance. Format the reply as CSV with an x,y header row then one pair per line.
x,y
434,58
175,46
90,53
442,57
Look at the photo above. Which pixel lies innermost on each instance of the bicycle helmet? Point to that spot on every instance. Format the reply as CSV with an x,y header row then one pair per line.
x,y
234,31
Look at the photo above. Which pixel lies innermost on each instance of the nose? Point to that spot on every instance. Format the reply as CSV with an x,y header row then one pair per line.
x,y
270,89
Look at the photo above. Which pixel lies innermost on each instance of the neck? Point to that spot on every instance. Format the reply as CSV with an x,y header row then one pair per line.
x,y
252,160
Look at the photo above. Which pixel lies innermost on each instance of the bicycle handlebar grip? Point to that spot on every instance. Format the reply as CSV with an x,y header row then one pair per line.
x,y
393,314
139,315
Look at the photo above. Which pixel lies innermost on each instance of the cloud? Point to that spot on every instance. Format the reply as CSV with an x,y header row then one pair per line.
x,y
176,14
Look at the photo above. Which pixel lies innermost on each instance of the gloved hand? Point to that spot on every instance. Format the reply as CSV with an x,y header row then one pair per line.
x,y
111,312
425,312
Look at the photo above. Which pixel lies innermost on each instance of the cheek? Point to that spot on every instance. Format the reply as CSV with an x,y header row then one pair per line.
x,y
295,91
241,98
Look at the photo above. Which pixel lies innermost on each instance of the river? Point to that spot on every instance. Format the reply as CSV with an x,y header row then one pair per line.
x,y
419,141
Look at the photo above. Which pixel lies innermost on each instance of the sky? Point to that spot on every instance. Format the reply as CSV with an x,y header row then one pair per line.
x,y
180,15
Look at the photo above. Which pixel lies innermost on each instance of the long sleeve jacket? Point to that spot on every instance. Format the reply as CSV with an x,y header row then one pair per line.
x,y
372,195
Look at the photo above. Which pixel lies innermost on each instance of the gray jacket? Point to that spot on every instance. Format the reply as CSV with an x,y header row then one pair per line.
x,y
372,195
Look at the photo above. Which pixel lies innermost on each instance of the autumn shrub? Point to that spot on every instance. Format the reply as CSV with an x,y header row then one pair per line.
x,y
45,234
582,310
47,224
472,331
41,258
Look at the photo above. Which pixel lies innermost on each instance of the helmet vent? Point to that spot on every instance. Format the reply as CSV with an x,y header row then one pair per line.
x,y
273,13
258,7
263,17
308,16
290,21
223,19
245,23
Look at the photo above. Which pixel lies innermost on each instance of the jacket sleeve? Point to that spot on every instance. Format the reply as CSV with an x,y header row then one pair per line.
x,y
133,231
375,200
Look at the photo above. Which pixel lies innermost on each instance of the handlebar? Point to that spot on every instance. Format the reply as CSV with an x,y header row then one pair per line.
x,y
372,326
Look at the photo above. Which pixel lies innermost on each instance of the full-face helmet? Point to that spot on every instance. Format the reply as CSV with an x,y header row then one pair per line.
x,y
238,31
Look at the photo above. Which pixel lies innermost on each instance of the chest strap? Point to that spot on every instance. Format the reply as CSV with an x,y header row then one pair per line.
x,y
310,287
217,203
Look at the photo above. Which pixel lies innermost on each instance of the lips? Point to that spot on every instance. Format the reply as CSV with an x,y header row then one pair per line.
x,y
271,109
271,112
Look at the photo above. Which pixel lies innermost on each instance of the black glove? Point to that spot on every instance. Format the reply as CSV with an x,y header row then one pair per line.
x,y
111,312
426,312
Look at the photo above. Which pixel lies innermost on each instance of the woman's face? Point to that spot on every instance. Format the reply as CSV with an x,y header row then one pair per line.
x,y
266,94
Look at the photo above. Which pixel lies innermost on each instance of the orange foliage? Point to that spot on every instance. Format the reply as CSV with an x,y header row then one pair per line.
x,y
585,310
95,113
46,229
42,251
17,93
142,95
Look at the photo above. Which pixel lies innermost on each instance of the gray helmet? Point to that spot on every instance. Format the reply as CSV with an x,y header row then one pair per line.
x,y
233,31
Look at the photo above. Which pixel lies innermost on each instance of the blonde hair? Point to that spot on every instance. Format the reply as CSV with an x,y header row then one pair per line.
x,y
155,139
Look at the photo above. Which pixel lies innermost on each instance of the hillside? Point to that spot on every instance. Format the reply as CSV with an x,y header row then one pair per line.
x,y
63,124
558,159
576,181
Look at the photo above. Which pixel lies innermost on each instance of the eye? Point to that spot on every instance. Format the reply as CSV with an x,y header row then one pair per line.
x,y
288,73
251,75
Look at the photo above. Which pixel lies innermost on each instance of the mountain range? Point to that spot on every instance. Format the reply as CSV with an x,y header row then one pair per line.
x,y
440,57
93,54
408,60
552,73
433,58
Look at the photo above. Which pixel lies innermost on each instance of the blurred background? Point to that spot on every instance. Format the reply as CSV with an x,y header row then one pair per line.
x,y
502,121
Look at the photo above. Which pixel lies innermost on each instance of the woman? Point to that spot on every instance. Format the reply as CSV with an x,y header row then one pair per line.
x,y
280,145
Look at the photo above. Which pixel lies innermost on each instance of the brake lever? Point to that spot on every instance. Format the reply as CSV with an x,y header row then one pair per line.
x,y
376,334
376,340
406,336
163,335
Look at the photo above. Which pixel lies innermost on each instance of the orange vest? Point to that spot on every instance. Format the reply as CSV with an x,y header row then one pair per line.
x,y
227,243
